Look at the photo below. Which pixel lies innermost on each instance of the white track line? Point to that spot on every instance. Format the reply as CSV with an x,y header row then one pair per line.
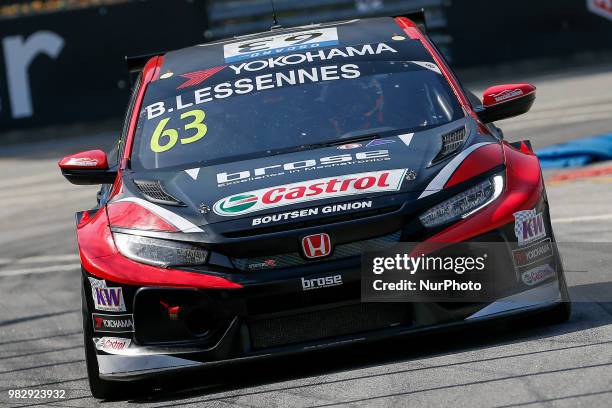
x,y
47,258
541,122
40,259
567,220
40,270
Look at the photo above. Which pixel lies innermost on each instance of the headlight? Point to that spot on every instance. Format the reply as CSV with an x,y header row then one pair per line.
x,y
159,252
465,204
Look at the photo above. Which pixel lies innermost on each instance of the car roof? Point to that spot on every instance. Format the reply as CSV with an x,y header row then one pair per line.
x,y
348,33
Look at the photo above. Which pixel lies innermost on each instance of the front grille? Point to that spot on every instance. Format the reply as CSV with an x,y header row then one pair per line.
x,y
451,142
294,258
154,191
321,324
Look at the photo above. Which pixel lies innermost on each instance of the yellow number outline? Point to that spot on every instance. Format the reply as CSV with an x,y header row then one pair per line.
x,y
197,124
159,132
172,134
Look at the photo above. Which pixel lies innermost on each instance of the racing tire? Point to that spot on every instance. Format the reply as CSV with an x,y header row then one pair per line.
x,y
100,388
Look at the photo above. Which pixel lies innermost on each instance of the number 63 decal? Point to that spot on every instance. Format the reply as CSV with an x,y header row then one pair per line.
x,y
172,135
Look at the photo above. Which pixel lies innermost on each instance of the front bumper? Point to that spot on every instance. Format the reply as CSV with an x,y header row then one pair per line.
x,y
138,362
277,317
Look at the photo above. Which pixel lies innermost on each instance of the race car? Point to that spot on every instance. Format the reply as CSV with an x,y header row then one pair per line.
x,y
253,173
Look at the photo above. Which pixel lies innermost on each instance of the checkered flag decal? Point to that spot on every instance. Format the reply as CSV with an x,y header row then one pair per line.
x,y
520,217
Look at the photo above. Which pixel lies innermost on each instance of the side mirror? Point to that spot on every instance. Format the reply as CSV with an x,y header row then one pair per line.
x,y
506,101
87,168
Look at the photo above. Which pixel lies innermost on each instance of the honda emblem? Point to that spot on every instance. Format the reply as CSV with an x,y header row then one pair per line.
x,y
316,246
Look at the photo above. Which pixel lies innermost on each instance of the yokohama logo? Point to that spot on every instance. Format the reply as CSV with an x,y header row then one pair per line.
x,y
311,190
113,323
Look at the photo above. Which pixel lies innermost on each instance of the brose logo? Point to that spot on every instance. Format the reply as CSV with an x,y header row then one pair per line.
x,y
322,282
226,178
310,190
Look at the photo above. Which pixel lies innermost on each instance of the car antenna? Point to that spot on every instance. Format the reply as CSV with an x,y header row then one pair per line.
x,y
276,25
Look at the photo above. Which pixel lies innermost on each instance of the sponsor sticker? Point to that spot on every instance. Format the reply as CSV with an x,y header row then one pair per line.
x,y
379,142
428,65
537,275
372,156
350,146
268,263
197,77
321,282
112,344
113,323
528,226
533,253
310,190
308,212
194,97
280,44
507,94
105,298
301,58
82,161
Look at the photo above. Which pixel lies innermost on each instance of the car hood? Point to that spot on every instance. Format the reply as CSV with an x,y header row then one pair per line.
x,y
351,173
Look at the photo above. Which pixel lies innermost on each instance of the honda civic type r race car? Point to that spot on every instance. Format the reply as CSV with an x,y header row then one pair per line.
x,y
253,172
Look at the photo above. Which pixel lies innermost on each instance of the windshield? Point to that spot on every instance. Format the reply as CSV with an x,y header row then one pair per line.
x,y
226,118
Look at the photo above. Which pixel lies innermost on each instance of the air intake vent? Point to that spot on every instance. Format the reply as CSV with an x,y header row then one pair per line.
x,y
154,192
451,142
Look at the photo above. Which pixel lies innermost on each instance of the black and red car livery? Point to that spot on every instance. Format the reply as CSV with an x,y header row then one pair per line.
x,y
253,172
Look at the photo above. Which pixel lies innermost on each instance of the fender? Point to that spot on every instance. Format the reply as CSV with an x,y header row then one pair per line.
x,y
523,189
101,258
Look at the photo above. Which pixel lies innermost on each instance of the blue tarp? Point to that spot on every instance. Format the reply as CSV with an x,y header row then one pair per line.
x,y
576,153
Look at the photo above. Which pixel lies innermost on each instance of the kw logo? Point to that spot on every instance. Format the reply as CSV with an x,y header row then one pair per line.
x,y
106,298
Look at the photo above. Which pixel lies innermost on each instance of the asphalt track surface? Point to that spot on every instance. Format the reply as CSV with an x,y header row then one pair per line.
x,y
563,365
